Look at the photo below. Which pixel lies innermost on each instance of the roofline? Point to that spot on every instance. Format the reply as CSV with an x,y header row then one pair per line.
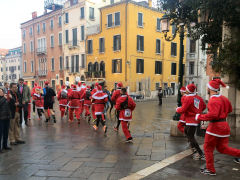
x,y
41,16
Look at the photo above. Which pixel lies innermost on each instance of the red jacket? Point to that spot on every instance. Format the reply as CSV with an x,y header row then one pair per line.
x,y
39,102
218,108
125,114
99,99
192,105
182,119
62,101
116,95
74,98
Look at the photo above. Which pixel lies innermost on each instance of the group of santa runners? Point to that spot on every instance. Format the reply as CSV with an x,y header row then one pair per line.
x,y
89,103
218,130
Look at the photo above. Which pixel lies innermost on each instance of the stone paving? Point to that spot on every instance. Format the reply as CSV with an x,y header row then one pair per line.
x,y
68,151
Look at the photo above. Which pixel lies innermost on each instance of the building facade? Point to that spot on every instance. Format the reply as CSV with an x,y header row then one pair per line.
x,y
11,65
3,53
131,48
42,53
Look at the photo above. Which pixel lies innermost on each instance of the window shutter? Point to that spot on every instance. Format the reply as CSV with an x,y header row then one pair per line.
x,y
119,42
103,48
142,43
142,66
120,66
113,68
138,42
114,43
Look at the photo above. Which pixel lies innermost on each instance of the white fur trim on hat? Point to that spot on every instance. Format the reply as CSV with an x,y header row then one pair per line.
x,y
189,91
210,87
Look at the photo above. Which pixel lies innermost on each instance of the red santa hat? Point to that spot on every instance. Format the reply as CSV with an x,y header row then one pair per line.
x,y
46,83
88,87
191,88
84,84
119,85
35,84
183,89
74,86
214,84
63,86
99,88
79,84
96,84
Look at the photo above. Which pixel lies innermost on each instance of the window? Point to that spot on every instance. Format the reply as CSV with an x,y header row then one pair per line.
x,y
74,37
60,39
44,27
83,61
52,41
91,13
25,66
67,63
51,24
66,18
72,64
157,85
18,67
90,48
32,66
60,21
31,46
117,42
158,67
140,66
82,12
24,48
140,19
117,66
52,63
38,28
66,36
60,63
31,31
173,69
158,46
191,68
174,28
140,43
173,49
117,19
192,46
24,34
82,33
159,24
109,20
77,63
101,45
112,2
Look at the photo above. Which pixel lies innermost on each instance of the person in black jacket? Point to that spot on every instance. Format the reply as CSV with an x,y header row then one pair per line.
x,y
4,121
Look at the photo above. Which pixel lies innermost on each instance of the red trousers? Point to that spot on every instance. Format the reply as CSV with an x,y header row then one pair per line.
x,y
87,112
93,112
125,129
81,107
221,144
29,111
71,110
62,110
181,126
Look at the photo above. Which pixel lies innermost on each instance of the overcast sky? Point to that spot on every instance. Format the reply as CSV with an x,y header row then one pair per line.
x,y
12,14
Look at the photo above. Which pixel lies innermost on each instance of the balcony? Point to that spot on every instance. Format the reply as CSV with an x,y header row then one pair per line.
x,y
95,29
73,44
42,73
97,74
191,55
41,51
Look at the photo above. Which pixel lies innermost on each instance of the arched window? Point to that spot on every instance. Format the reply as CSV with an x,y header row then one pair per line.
x,y
90,68
95,67
102,66
82,78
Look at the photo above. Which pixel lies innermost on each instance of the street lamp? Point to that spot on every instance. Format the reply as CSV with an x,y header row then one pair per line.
x,y
165,29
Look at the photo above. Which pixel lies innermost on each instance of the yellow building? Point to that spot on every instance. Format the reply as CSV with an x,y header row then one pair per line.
x,y
131,48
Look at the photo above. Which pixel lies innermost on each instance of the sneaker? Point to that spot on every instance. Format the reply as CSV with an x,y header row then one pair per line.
x,y
115,129
95,127
129,140
105,129
237,160
206,171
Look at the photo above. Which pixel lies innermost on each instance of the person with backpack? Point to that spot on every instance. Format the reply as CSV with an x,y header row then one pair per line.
x,y
48,94
87,103
125,105
63,100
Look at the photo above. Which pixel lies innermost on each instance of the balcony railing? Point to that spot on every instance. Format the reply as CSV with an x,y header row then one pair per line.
x,y
191,55
96,74
73,44
41,51
42,72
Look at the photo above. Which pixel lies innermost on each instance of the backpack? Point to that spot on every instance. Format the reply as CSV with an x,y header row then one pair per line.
x,y
88,95
64,94
124,105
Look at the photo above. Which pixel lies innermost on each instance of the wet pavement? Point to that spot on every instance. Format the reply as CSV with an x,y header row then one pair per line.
x,y
71,151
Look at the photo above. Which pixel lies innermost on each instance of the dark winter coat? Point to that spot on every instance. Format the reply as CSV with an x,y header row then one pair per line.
x,y
4,109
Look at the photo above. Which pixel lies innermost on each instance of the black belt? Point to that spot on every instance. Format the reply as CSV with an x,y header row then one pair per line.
x,y
220,120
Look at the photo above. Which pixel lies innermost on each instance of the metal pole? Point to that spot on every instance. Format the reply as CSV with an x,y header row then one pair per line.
x,y
180,73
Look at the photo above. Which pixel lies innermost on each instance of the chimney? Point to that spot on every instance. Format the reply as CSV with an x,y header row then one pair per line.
x,y
34,14
150,3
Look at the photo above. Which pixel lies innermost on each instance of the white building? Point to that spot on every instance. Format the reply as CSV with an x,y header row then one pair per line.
x,y
11,66
195,68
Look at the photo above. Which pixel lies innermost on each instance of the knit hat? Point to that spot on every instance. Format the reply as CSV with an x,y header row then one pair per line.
x,y
183,89
214,84
191,88
119,85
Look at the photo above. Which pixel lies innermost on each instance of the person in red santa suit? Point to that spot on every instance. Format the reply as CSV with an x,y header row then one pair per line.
x,y
218,131
115,96
87,103
63,100
74,97
125,105
99,99
32,92
39,102
82,91
182,122
93,103
192,105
